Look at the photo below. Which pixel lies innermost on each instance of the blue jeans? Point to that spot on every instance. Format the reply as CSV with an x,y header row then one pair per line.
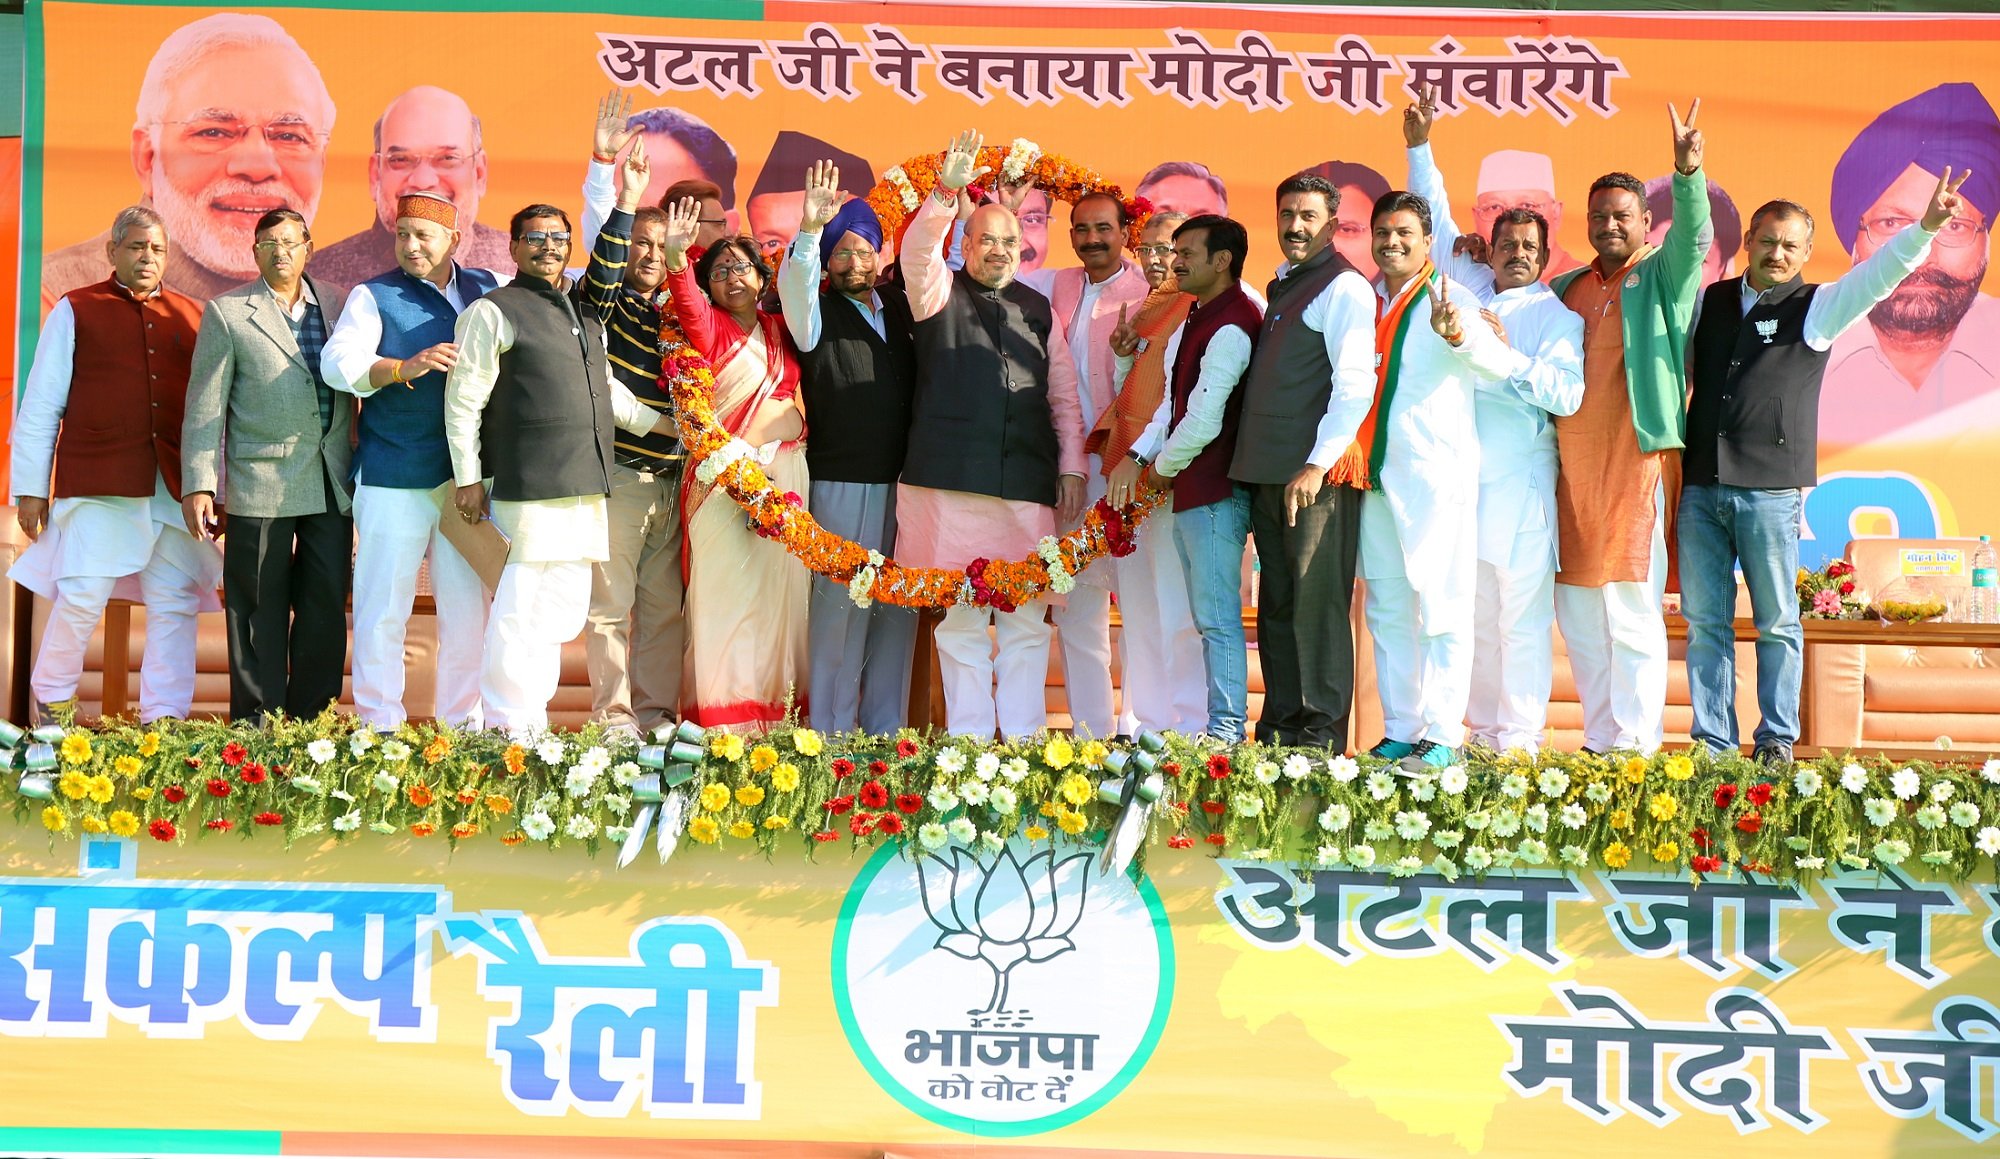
x,y
1721,526
1210,540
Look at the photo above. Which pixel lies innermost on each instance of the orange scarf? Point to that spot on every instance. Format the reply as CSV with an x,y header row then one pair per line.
x,y
1360,466
1160,314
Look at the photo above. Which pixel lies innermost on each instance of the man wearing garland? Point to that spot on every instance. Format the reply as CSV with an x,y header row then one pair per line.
x,y
996,447
859,371
392,348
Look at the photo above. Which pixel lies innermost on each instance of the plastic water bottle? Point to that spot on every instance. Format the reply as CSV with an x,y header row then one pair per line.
x,y
1983,606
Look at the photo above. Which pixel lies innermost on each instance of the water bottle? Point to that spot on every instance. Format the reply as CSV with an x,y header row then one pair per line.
x,y
1983,606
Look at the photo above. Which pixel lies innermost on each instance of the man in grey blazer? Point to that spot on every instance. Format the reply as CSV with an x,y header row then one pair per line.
x,y
267,439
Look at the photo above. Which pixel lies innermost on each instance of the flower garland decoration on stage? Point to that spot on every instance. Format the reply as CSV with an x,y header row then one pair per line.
x,y
725,461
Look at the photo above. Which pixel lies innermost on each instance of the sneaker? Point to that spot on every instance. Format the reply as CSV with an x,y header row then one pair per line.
x,y
1391,750
1427,755
1773,755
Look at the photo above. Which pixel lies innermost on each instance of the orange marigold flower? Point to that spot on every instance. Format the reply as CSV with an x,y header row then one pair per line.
x,y
498,804
438,749
468,796
422,829
514,838
420,794
464,829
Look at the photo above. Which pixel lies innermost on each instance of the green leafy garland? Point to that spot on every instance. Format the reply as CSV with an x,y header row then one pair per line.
x,y
332,778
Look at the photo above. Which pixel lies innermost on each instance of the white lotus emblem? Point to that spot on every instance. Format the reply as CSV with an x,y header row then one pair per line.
x,y
1003,912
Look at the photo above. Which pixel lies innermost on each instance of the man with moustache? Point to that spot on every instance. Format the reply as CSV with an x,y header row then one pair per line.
x,y
426,141
1518,179
233,121
1187,449
260,416
858,366
391,349
1359,187
1931,350
1414,455
1512,646
996,445
1311,368
1159,647
1761,343
531,396
637,627
1145,342
104,401
1620,452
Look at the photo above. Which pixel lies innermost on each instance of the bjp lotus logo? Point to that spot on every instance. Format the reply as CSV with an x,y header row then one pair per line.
x,y
1004,912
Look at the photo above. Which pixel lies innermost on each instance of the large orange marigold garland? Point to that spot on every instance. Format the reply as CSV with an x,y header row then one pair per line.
x,y
904,187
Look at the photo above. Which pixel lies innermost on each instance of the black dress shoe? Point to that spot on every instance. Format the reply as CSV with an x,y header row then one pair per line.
x,y
1773,756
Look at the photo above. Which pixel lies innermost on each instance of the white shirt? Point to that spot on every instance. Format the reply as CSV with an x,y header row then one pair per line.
x,y
1223,365
1517,439
1076,328
43,403
798,290
355,345
1426,182
1842,302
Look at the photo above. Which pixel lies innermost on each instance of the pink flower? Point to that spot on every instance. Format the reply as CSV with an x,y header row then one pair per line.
x,y
1826,603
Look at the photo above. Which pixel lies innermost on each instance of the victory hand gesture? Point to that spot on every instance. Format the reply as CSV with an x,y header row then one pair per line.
x,y
683,222
1945,202
822,197
610,134
961,161
637,172
1687,138
1417,118
1124,339
1444,313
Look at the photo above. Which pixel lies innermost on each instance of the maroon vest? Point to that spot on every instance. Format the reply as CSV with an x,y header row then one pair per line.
x,y
1206,480
128,385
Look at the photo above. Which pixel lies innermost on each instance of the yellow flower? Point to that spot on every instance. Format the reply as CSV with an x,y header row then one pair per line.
x,y
776,822
1804,575
1662,807
124,823
143,793
1667,851
785,777
93,824
1058,753
807,743
438,749
101,789
704,830
714,797
1036,832
1049,808
127,766
1635,770
1071,821
1617,855
76,748
742,829
1094,753
149,744
1621,818
73,785
1679,768
750,795
1075,788
499,804
762,758
727,747
54,819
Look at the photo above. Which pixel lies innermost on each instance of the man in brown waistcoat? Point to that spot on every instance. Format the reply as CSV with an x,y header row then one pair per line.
x,y
104,400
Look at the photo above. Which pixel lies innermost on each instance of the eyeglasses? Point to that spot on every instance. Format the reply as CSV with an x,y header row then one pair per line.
x,y
722,273
862,255
1034,220
1956,234
545,240
1495,208
274,246
444,160
1154,251
286,136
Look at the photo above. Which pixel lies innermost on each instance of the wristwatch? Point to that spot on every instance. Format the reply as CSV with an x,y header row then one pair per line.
x,y
1140,459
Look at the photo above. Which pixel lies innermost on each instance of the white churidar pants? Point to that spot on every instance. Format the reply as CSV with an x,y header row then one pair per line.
x,y
397,527
1512,650
1617,644
967,662
1423,664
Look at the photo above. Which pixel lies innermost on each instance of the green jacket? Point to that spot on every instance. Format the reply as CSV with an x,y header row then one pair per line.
x,y
1656,307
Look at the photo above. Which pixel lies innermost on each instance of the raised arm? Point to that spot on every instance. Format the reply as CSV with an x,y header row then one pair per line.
x,y
926,274
692,308
1428,183
1836,307
597,290
609,135
798,277
1691,233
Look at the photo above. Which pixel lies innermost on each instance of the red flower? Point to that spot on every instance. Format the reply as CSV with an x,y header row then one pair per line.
x,y
233,754
1704,863
1846,587
1699,838
1171,768
840,804
906,748
1217,839
219,788
1759,794
909,802
1218,765
220,825
793,499
162,830
174,794
253,774
889,823
1750,822
192,762
1724,796
861,824
1212,806
1180,841
825,835
1838,568
874,795
1757,867
878,766
269,818
842,767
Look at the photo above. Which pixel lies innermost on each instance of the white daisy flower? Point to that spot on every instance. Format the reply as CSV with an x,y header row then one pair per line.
x,y
581,827
1335,817
539,826
322,750
1453,779
1905,782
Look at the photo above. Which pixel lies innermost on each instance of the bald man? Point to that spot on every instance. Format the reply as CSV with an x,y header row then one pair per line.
x,y
426,141
1517,179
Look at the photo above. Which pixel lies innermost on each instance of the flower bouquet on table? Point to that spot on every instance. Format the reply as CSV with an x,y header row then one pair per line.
x,y
1831,593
